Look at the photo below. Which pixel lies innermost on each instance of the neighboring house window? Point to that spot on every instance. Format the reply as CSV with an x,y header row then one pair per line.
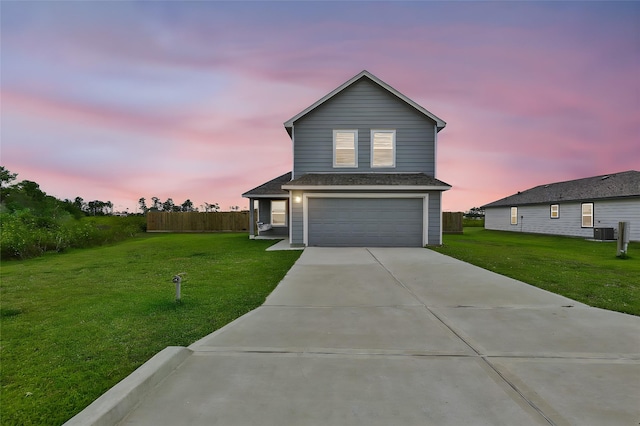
x,y
514,215
345,148
383,148
278,213
555,211
587,215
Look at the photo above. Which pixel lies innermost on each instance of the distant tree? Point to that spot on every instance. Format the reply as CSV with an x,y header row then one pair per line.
x,y
187,206
31,189
475,212
211,207
157,205
234,208
95,207
27,195
100,208
6,177
73,209
80,204
143,205
167,206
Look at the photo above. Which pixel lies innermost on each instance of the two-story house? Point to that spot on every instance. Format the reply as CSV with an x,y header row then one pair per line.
x,y
364,167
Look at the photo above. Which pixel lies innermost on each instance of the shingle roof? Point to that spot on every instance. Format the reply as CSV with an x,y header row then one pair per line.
x,y
615,185
271,188
440,123
368,179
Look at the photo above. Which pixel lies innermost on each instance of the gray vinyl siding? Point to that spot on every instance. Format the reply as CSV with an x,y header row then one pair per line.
x,y
609,213
364,106
536,218
498,219
433,236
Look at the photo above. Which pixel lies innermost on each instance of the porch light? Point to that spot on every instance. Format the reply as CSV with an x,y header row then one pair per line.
x,y
297,199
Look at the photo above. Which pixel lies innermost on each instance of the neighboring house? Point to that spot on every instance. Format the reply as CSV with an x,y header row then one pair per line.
x,y
580,208
364,167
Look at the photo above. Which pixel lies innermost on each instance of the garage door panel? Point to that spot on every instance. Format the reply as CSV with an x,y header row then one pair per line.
x,y
381,222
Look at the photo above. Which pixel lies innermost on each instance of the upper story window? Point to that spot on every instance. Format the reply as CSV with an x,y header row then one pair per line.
x,y
383,148
514,215
555,211
345,148
278,212
587,215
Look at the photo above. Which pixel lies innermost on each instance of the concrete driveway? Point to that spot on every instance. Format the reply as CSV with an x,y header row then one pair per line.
x,y
381,336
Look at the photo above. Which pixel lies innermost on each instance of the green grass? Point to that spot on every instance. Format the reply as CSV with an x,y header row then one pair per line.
x,y
75,324
586,271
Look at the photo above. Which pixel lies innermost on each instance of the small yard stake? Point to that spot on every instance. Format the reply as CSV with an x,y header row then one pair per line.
x,y
177,279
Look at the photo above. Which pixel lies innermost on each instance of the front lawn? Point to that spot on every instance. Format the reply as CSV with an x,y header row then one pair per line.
x,y
586,271
75,324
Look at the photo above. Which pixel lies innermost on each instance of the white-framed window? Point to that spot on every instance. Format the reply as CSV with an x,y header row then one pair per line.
x,y
279,213
345,148
383,148
514,215
554,211
587,215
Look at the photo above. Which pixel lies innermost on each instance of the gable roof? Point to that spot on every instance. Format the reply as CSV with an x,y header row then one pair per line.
x,y
271,189
364,74
364,181
615,185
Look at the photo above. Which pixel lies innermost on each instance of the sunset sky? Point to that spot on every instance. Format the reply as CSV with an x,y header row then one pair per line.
x,y
121,100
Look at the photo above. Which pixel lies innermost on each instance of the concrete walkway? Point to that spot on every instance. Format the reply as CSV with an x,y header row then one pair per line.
x,y
395,337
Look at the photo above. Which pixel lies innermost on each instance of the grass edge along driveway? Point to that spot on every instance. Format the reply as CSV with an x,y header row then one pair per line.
x,y
75,324
586,271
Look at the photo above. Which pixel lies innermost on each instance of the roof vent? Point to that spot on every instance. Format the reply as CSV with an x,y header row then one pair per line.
x,y
605,177
546,186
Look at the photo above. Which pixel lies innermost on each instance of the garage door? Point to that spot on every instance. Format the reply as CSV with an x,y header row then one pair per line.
x,y
361,222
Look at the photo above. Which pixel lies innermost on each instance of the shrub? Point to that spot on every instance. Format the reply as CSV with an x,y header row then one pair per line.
x,y
473,223
24,235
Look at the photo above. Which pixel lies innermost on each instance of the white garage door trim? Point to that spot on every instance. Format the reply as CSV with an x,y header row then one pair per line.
x,y
305,208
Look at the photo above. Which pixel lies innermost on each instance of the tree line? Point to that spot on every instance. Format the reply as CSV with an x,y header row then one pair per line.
x,y
27,194
169,206
33,223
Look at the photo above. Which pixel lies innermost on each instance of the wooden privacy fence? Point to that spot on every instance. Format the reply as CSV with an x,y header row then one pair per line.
x,y
452,222
197,222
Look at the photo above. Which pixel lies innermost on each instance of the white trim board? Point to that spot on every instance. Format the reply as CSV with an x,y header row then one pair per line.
x,y
365,188
267,196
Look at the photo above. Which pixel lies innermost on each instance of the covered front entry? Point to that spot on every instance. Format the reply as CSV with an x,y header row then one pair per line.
x,y
366,222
